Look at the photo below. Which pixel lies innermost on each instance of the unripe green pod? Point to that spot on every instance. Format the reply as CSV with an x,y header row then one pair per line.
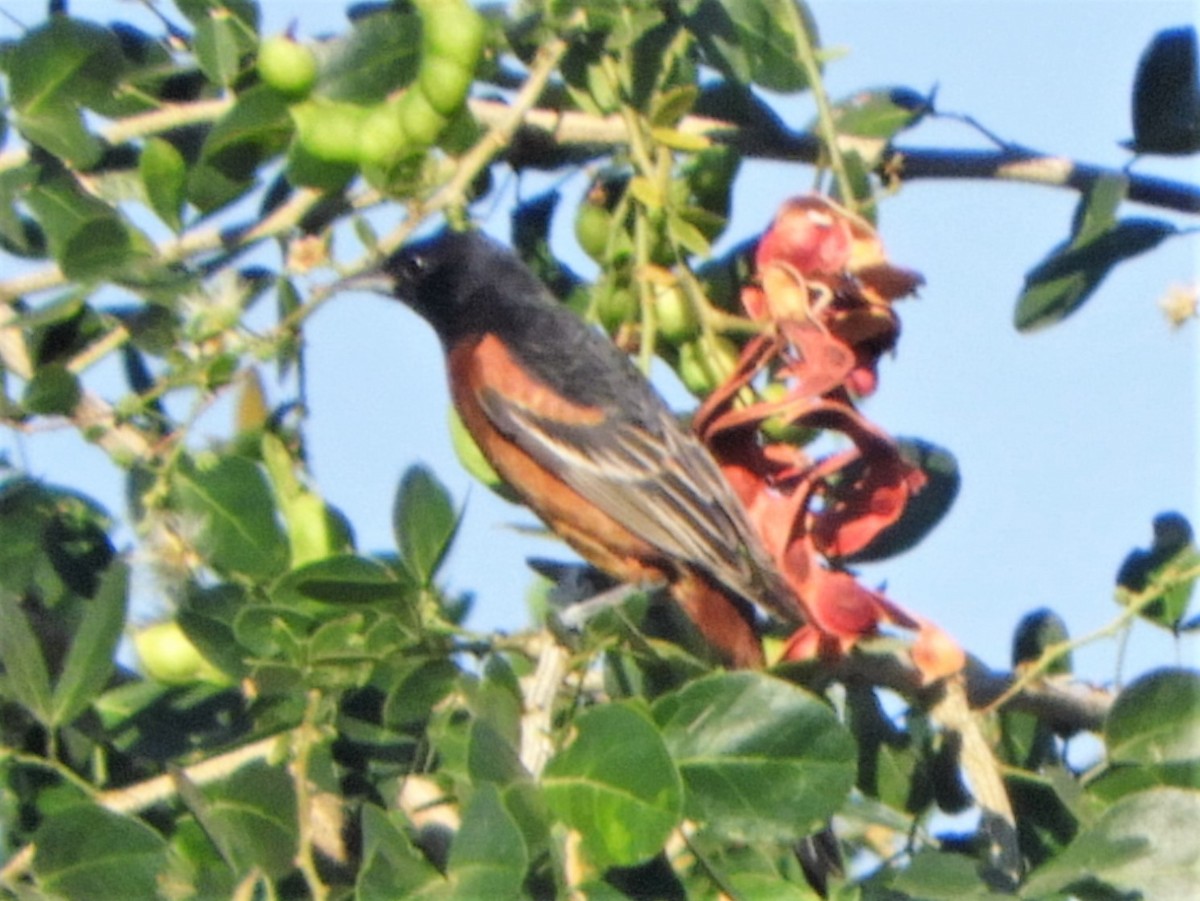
x,y
329,129
674,314
382,139
287,67
444,82
168,656
420,121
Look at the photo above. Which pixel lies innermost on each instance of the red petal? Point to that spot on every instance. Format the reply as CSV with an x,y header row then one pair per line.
x,y
843,607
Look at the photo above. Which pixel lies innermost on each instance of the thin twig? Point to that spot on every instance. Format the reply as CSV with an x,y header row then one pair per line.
x,y
1035,670
807,54
998,823
537,743
305,738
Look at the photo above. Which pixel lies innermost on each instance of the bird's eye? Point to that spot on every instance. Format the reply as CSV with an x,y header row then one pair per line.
x,y
411,267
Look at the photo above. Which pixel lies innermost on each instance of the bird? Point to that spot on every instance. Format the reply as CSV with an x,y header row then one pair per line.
x,y
585,441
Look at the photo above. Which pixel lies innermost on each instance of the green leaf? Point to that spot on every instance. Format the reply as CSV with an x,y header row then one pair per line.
x,y
890,759
382,53
91,854
1156,719
62,328
62,131
26,678
751,40
672,105
271,630
1043,806
219,46
62,63
89,661
1035,633
244,12
924,510
255,129
89,239
341,579
340,640
1162,578
499,699
488,857
251,816
1124,779
1166,95
163,171
104,248
53,391
424,523
391,867
879,112
194,862
213,636
615,784
1060,284
941,876
491,758
239,532
1144,844
19,234
687,235
53,543
416,687
54,71
759,757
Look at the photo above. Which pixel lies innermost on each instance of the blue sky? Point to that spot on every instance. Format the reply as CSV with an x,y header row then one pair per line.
x,y
1069,440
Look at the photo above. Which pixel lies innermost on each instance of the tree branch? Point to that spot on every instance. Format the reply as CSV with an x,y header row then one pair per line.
x,y
1063,703
566,129
1036,168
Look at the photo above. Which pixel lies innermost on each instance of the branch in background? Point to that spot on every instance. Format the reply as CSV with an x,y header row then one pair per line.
x,y
1040,169
901,163
1066,705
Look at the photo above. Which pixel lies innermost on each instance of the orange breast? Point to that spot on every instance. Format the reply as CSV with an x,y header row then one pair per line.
x,y
596,536
726,623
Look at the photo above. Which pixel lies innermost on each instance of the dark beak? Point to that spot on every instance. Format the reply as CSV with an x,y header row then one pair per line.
x,y
376,281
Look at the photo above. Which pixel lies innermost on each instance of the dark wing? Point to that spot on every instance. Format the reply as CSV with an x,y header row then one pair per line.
x,y
661,484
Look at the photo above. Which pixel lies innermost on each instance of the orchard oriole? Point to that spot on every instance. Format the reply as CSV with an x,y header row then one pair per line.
x,y
580,435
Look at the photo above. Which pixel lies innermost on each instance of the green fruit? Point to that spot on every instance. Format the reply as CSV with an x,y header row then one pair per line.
x,y
692,371
452,29
445,83
287,67
615,305
675,315
722,356
167,655
420,121
329,129
776,428
706,362
382,139
592,224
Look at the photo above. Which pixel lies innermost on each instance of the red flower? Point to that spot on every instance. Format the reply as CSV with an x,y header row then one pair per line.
x,y
811,235
824,282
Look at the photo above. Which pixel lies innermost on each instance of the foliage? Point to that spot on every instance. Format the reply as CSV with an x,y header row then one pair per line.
x,y
315,720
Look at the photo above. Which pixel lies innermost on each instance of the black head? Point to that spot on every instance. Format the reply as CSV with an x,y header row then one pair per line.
x,y
461,281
